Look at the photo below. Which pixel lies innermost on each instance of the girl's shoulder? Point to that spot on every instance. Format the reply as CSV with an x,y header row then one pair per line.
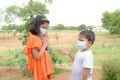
x,y
34,38
33,41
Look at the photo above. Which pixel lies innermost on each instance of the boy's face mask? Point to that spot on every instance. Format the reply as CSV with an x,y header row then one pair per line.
x,y
43,31
82,45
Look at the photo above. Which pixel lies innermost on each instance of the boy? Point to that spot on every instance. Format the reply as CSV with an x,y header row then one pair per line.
x,y
83,61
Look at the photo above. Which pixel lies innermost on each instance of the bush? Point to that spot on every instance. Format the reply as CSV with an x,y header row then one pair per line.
x,y
59,27
23,64
21,60
111,70
55,58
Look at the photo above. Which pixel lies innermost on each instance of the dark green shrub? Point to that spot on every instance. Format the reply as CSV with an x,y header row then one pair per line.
x,y
111,70
55,58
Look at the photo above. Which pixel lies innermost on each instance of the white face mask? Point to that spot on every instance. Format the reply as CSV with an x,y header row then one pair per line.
x,y
43,31
82,45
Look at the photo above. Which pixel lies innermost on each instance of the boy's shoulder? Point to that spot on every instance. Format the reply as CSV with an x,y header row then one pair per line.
x,y
88,53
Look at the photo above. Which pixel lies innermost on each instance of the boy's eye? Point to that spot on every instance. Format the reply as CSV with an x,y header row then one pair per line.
x,y
81,40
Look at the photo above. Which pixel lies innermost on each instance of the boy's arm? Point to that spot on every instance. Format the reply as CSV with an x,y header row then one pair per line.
x,y
85,73
72,57
69,53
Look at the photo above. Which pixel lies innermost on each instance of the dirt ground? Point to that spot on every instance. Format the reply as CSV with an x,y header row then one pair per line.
x,y
11,42
14,73
67,76
11,73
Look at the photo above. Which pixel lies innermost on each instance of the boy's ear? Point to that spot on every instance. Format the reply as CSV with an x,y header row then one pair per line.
x,y
90,42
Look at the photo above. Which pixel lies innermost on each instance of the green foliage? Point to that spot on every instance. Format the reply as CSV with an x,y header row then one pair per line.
x,y
21,60
11,14
58,71
22,12
48,1
16,78
8,61
72,28
38,8
55,58
23,63
57,37
59,27
89,27
16,58
111,70
82,27
106,50
111,21
19,78
26,30
1,16
9,27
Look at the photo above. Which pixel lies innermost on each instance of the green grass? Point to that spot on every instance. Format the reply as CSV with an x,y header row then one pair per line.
x,y
7,58
19,78
103,51
15,78
1,75
102,33
108,50
58,71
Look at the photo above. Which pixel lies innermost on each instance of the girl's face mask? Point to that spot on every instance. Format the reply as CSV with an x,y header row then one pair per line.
x,y
82,45
43,31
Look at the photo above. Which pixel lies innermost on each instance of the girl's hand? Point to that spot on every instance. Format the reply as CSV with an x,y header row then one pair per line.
x,y
66,51
45,39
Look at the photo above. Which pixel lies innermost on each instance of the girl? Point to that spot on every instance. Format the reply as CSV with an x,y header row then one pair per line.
x,y
39,61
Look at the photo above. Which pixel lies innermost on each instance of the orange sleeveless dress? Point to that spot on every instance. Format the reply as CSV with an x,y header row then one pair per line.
x,y
42,67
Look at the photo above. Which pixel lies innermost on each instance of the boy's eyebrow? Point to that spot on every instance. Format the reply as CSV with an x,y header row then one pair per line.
x,y
80,40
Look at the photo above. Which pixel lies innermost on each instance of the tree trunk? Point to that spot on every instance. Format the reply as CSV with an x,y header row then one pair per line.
x,y
31,8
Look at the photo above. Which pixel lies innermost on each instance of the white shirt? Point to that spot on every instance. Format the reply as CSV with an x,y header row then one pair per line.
x,y
82,60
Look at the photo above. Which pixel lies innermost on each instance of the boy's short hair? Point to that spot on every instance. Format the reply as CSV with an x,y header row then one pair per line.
x,y
90,35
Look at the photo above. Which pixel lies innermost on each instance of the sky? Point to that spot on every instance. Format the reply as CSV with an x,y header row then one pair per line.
x,y
73,12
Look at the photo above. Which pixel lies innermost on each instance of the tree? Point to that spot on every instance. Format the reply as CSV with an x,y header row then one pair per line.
x,y
59,27
82,27
22,12
1,17
72,28
111,21
89,27
8,27
11,14
31,6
